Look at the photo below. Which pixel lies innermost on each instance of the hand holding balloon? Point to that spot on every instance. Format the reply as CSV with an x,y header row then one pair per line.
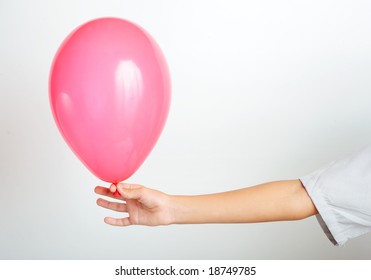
x,y
145,206
110,95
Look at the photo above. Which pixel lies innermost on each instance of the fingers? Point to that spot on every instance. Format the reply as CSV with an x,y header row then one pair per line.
x,y
119,207
127,192
112,188
117,222
129,186
130,191
106,192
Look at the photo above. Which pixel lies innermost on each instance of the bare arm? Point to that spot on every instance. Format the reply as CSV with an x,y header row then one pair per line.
x,y
275,201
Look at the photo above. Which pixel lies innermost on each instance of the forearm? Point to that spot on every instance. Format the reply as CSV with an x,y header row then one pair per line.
x,y
275,201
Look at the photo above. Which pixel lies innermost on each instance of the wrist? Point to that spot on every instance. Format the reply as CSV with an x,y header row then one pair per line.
x,y
179,209
189,209
173,207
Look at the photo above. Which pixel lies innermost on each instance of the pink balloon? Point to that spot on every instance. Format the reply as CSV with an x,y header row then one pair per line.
x,y
110,95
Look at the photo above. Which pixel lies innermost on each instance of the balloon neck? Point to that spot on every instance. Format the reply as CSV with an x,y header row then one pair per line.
x,y
116,193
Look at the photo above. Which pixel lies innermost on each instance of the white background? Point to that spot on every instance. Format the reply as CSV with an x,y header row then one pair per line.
x,y
262,90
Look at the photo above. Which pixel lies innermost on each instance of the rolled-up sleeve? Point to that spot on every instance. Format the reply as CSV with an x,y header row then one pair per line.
x,y
341,192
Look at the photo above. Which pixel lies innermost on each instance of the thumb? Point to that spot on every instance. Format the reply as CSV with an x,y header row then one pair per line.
x,y
130,191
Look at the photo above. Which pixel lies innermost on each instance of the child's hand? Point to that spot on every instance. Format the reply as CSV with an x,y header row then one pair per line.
x,y
143,205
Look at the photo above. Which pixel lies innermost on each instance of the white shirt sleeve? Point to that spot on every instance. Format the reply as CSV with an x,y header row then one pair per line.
x,y
341,193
